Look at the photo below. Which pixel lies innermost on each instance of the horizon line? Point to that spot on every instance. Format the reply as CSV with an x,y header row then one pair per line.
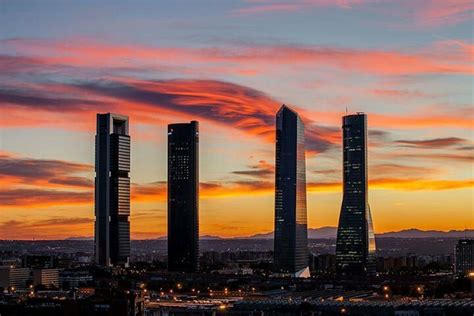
x,y
164,237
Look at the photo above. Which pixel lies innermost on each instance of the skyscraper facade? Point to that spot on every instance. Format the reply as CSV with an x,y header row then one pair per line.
x,y
355,246
464,256
291,236
112,190
183,197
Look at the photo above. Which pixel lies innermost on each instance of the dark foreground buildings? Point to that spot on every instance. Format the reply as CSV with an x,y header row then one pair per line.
x,y
355,247
112,190
183,197
291,237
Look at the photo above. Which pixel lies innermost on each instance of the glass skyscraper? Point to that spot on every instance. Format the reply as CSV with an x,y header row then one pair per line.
x,y
183,197
355,246
112,190
291,236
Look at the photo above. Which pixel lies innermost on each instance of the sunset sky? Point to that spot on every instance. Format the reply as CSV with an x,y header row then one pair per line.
x,y
408,64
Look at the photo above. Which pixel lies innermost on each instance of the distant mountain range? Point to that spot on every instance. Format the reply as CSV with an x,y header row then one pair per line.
x,y
417,233
331,232
80,238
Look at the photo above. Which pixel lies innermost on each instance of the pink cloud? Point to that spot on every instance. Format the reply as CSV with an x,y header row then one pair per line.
x,y
246,60
260,7
416,12
439,12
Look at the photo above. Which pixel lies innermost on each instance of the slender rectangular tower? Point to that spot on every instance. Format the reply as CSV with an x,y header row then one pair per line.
x,y
183,197
112,190
291,236
355,246
464,256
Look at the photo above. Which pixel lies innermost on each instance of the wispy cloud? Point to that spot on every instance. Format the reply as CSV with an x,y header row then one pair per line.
x,y
434,142
418,13
456,157
275,6
222,103
441,12
232,58
261,170
42,172
399,94
42,198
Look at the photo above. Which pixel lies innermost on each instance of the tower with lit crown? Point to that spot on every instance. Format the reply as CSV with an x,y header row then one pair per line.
x,y
355,246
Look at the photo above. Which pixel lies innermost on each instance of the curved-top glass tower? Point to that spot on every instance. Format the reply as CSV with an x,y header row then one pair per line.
x,y
291,237
355,247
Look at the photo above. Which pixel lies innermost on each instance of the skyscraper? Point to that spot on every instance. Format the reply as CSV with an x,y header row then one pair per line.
x,y
112,190
464,256
355,246
183,197
291,236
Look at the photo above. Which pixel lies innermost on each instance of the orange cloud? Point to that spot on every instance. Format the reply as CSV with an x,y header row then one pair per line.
x,y
421,120
87,54
398,184
221,103
38,198
156,192
432,116
458,155
421,184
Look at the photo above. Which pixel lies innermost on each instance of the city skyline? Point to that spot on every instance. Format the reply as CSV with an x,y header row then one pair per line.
x,y
230,66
